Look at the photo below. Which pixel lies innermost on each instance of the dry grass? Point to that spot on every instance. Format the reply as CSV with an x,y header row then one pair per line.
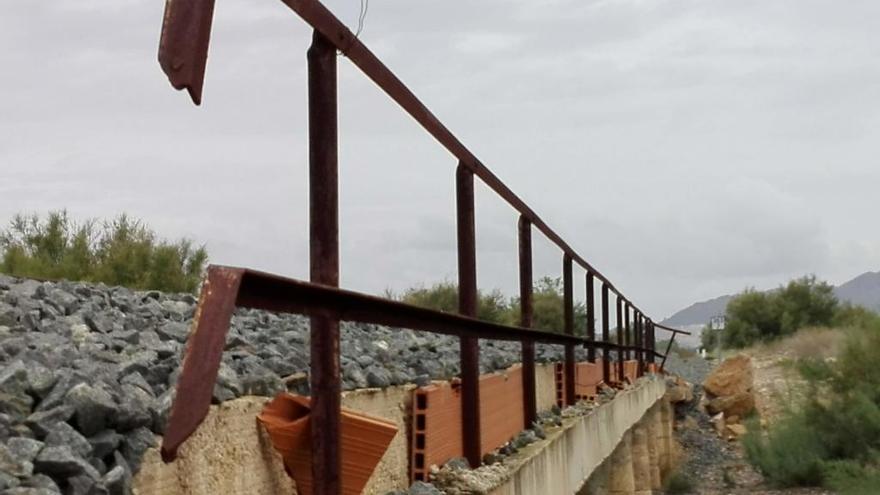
x,y
778,385
818,342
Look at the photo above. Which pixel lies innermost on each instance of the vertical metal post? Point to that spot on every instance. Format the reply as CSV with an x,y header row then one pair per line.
x,y
530,401
619,314
324,264
627,331
606,363
650,337
591,317
668,349
568,309
467,306
640,327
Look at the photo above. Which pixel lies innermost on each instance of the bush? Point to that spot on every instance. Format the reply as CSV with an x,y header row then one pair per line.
x,y
789,454
754,316
548,311
851,478
547,304
834,437
443,296
123,252
678,483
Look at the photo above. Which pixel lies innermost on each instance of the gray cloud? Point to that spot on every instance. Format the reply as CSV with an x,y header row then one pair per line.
x,y
687,148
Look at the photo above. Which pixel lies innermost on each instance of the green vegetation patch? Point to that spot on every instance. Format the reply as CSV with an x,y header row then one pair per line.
x,y
122,251
547,304
833,437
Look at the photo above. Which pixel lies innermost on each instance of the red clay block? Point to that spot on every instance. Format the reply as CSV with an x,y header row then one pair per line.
x,y
436,427
364,441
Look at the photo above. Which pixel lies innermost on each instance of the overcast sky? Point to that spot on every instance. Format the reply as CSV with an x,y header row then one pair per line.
x,y
686,148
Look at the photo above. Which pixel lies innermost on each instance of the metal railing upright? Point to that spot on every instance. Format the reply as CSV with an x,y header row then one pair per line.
x,y
183,55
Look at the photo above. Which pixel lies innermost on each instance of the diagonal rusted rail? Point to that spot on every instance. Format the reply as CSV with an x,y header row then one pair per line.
x,y
183,55
226,288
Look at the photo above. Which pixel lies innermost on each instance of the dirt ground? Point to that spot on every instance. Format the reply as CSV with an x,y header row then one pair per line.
x,y
715,466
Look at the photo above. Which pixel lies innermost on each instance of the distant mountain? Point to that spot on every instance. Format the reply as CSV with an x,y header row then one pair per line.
x,y
698,313
863,290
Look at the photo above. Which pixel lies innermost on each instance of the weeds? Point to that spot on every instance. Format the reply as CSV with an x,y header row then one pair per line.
x,y
678,483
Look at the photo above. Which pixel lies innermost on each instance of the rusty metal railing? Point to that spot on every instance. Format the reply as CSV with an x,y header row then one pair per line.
x,y
182,55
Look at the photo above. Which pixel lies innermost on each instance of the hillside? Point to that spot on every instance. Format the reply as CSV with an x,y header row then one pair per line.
x,y
699,313
863,290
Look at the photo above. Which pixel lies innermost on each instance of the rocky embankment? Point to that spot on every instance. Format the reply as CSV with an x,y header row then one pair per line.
x,y
87,374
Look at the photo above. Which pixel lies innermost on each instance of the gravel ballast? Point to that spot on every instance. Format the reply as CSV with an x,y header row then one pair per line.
x,y
87,374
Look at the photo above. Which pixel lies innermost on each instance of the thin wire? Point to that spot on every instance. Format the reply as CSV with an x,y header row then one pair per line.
x,y
362,16
365,7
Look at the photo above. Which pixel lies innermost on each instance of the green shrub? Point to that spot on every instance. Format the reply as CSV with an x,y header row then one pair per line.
x,y
123,252
548,308
443,296
678,483
754,316
789,454
547,304
833,438
851,478
849,316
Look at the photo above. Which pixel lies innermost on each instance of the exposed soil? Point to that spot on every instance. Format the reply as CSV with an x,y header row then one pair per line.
x,y
713,465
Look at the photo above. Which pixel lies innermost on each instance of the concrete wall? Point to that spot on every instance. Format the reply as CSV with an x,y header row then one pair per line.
x,y
229,453
566,460
545,386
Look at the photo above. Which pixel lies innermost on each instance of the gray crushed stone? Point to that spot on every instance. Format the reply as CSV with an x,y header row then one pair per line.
x,y
87,374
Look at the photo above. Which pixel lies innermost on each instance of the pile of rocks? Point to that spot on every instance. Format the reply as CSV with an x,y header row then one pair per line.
x,y
729,397
88,373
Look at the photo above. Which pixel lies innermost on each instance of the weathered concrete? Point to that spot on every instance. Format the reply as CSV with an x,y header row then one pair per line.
x,y
640,459
607,451
621,474
229,453
565,461
545,386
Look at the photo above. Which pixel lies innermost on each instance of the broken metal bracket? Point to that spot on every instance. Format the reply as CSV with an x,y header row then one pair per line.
x,y
183,45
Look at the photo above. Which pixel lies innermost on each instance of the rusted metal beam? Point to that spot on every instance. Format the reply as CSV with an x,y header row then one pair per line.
x,y
666,354
318,16
670,329
226,288
639,330
467,306
530,401
591,315
183,44
619,314
183,56
606,363
273,293
201,360
324,266
568,311
627,332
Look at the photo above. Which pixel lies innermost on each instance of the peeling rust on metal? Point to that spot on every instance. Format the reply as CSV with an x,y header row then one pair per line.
x,y
201,361
183,44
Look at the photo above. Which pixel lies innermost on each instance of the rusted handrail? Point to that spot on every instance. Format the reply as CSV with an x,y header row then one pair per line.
x,y
226,288
183,55
670,329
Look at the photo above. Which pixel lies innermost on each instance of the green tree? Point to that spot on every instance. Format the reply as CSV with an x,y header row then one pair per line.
x,y
443,296
122,251
492,306
754,316
548,308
